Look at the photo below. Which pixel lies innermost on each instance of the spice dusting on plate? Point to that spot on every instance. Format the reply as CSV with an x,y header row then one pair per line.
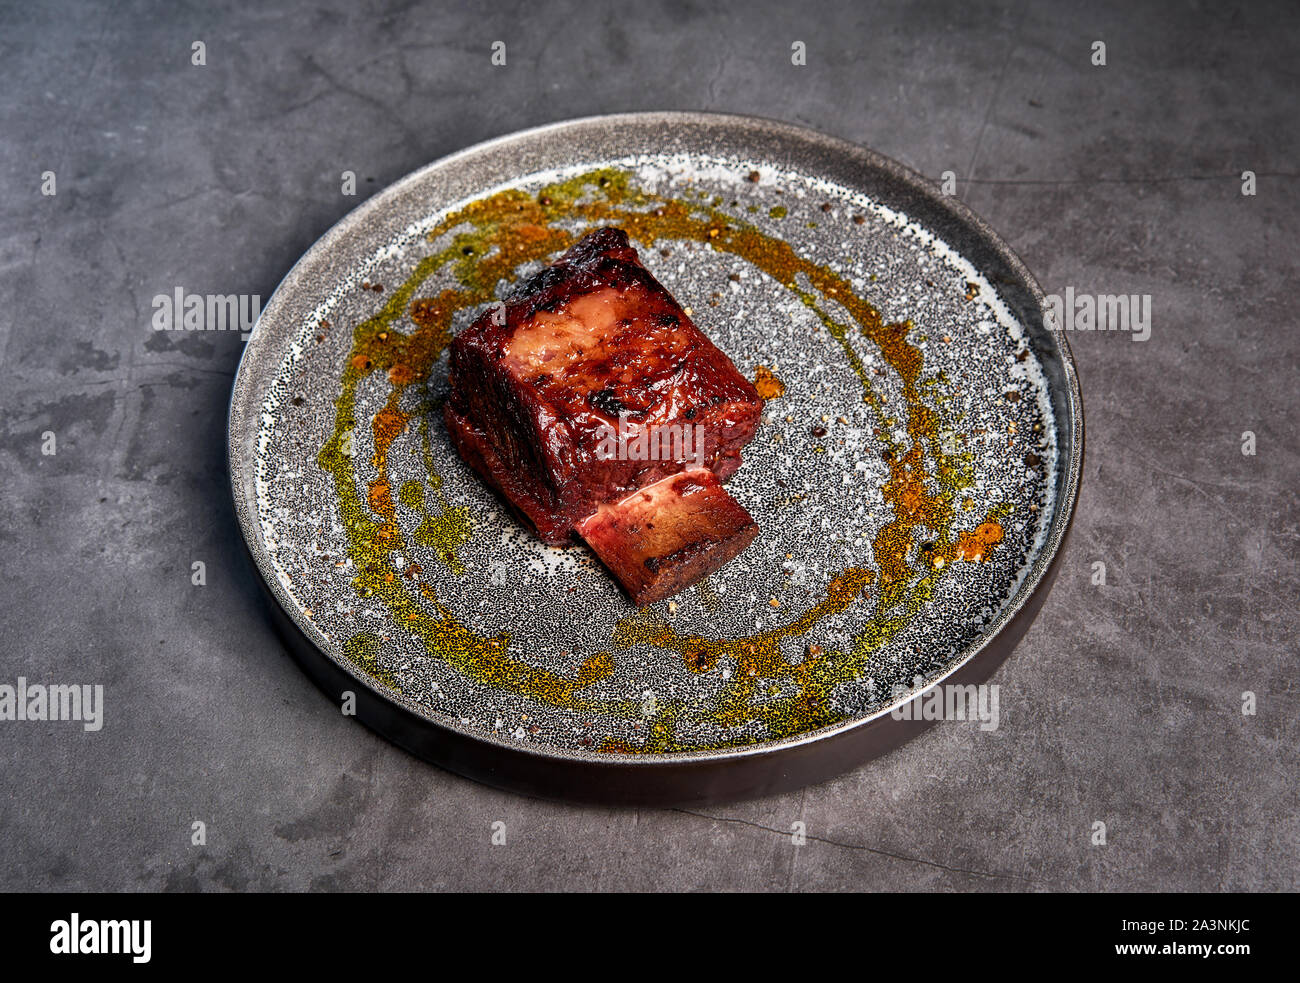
x,y
767,384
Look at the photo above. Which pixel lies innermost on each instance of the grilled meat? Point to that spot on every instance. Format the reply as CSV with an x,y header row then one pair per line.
x,y
591,385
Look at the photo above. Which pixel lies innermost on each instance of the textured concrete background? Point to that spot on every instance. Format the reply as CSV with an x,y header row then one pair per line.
x,y
1122,705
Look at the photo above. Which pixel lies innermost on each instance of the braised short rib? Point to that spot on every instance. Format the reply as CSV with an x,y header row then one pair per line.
x,y
584,398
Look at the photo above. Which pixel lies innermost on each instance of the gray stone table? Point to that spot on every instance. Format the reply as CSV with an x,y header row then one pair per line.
x,y
1124,703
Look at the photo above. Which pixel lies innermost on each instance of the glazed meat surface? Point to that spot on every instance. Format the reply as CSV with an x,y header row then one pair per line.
x,y
591,384
669,535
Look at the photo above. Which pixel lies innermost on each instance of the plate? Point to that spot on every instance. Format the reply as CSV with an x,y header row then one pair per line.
x,y
913,477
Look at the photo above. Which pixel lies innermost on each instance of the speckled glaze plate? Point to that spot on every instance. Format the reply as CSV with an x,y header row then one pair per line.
x,y
913,477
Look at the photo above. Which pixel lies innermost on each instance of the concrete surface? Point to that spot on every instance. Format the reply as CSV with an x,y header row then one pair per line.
x,y
1124,703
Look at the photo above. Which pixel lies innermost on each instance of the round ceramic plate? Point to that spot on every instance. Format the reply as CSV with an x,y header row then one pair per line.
x,y
913,475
